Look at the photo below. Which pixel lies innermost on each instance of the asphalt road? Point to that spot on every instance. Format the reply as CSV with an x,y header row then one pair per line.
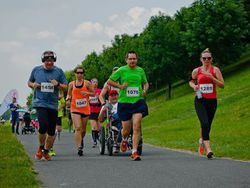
x,y
159,168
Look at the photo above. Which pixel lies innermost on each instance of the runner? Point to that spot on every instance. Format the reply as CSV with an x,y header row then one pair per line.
x,y
14,115
78,99
131,105
204,81
106,88
61,105
46,80
95,107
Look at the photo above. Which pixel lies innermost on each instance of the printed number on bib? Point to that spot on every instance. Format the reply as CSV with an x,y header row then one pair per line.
x,y
93,100
47,87
206,88
81,103
133,91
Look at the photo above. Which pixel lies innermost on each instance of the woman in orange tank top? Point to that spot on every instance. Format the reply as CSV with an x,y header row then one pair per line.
x,y
204,81
78,99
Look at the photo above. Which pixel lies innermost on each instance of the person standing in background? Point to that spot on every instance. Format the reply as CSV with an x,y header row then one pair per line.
x,y
14,115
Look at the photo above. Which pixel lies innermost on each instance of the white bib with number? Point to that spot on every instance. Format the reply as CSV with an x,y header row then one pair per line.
x,y
206,88
81,103
93,100
133,91
47,87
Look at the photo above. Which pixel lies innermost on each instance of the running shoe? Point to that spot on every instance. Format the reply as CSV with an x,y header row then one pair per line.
x,y
201,149
94,145
46,155
52,152
135,157
80,152
124,145
210,155
39,154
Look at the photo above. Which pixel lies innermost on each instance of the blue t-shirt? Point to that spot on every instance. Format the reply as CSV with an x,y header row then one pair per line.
x,y
47,95
13,108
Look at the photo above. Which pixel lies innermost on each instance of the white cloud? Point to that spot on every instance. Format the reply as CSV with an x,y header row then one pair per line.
x,y
87,29
45,35
10,46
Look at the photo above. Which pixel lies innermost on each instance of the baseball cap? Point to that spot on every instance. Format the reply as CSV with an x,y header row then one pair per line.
x,y
113,92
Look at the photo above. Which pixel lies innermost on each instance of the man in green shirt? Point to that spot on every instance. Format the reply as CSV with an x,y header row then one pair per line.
x,y
132,108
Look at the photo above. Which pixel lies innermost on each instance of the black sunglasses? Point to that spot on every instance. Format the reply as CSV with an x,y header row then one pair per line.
x,y
208,58
79,72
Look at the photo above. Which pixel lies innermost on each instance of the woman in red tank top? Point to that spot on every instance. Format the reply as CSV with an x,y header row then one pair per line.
x,y
204,81
78,100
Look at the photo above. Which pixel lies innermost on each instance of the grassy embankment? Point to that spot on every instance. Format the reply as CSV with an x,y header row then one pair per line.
x,y
15,166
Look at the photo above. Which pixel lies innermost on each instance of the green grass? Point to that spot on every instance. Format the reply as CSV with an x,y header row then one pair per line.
x,y
15,167
174,124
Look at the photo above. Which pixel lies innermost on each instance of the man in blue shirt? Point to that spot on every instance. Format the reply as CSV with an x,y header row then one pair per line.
x,y
14,115
46,80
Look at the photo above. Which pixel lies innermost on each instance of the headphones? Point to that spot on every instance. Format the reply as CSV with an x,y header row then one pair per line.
x,y
47,55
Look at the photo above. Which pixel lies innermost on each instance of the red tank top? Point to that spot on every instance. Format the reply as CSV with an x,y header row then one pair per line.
x,y
206,85
95,105
80,103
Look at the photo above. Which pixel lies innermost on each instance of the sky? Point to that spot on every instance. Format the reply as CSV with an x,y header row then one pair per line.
x,y
72,29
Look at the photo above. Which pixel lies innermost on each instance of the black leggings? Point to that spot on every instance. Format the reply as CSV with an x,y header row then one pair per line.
x,y
47,119
205,110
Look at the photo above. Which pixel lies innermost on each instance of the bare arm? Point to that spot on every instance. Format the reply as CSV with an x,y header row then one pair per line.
x,y
105,89
115,84
91,89
69,94
192,84
102,114
218,79
33,85
145,89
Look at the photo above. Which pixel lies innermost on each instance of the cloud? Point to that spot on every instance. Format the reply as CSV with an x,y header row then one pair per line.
x,y
45,35
9,46
89,36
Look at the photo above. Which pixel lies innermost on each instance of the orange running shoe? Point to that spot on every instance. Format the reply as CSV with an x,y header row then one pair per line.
x,y
124,145
135,157
201,149
39,154
46,155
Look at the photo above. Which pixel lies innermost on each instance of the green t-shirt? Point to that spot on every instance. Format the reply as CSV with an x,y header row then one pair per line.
x,y
135,78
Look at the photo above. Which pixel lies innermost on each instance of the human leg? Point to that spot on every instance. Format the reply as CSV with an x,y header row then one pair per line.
x,y
201,111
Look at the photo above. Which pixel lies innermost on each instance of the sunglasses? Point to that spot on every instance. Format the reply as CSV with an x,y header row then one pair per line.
x,y
79,72
206,58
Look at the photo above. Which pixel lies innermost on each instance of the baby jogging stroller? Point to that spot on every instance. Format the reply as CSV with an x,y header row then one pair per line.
x,y
27,127
109,134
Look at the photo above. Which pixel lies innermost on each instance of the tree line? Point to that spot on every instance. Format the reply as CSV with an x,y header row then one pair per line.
x,y
169,47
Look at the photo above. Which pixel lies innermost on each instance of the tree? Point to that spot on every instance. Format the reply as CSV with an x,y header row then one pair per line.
x,y
217,24
159,50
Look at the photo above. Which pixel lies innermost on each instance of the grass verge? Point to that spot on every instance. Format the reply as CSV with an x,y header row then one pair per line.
x,y
15,166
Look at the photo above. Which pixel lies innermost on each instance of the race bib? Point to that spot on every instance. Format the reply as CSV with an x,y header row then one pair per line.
x,y
47,87
93,100
81,103
132,91
206,88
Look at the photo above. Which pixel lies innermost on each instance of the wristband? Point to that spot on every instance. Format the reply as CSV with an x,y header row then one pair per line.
x,y
103,103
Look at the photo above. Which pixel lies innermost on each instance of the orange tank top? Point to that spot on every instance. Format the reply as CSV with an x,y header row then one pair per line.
x,y
80,103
